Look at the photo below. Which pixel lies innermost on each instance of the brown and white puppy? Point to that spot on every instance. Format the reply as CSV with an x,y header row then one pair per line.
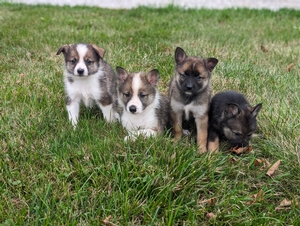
x,y
190,93
142,109
88,78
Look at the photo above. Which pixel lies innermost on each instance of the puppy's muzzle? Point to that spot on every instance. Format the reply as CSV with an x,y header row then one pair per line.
x,y
80,71
132,109
189,87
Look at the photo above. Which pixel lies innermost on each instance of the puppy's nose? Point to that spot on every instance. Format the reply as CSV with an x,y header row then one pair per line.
x,y
189,87
132,109
80,71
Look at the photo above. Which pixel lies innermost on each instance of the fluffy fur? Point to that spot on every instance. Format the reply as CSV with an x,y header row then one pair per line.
x,y
190,93
88,79
231,118
142,109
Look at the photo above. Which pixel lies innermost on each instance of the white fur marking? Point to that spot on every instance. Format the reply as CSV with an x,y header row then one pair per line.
x,y
82,50
73,112
135,100
144,124
86,89
146,119
196,110
108,112
143,132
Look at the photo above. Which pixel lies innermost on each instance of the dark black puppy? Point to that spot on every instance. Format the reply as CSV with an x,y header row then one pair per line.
x,y
231,118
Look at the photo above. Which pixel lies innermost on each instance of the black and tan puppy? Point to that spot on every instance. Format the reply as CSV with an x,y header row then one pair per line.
x,y
231,118
190,93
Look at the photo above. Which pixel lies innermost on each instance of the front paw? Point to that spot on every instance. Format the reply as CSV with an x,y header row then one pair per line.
x,y
130,137
202,149
186,132
74,123
146,133
178,136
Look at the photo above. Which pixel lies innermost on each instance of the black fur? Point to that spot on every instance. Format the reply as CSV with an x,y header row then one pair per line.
x,y
232,118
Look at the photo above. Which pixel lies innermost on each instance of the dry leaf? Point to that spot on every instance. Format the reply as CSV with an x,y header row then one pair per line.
x,y
173,156
267,163
211,201
244,150
264,49
263,162
273,168
257,197
234,160
16,201
106,221
290,67
258,162
210,215
285,203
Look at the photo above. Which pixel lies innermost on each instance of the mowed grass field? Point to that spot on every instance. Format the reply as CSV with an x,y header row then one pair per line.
x,y
53,175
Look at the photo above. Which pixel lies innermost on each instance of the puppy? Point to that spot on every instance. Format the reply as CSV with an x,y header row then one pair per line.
x,y
142,109
231,118
88,78
190,93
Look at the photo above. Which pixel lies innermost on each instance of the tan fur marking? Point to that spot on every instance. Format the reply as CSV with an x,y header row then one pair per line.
x,y
202,126
195,64
99,50
213,146
177,125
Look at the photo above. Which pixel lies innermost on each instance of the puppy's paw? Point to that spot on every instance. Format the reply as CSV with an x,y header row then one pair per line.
x,y
74,123
117,117
130,137
186,132
146,133
143,132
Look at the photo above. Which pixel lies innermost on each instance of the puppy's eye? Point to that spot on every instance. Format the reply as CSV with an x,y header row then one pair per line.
x,y
199,77
142,95
249,134
73,61
183,75
126,94
89,62
236,133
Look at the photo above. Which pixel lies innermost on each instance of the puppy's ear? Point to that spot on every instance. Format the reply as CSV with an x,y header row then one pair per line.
x,y
255,110
180,55
210,63
99,50
122,74
232,110
63,49
153,77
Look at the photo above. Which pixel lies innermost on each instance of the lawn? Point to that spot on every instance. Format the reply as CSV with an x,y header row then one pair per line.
x,y
53,175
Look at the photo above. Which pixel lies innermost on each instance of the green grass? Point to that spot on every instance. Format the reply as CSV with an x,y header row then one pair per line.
x,y
52,175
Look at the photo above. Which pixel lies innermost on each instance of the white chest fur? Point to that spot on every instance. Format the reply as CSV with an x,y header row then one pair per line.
x,y
144,120
86,89
196,110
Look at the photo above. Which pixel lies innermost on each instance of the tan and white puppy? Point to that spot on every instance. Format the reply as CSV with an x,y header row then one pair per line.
x,y
190,93
88,78
142,109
